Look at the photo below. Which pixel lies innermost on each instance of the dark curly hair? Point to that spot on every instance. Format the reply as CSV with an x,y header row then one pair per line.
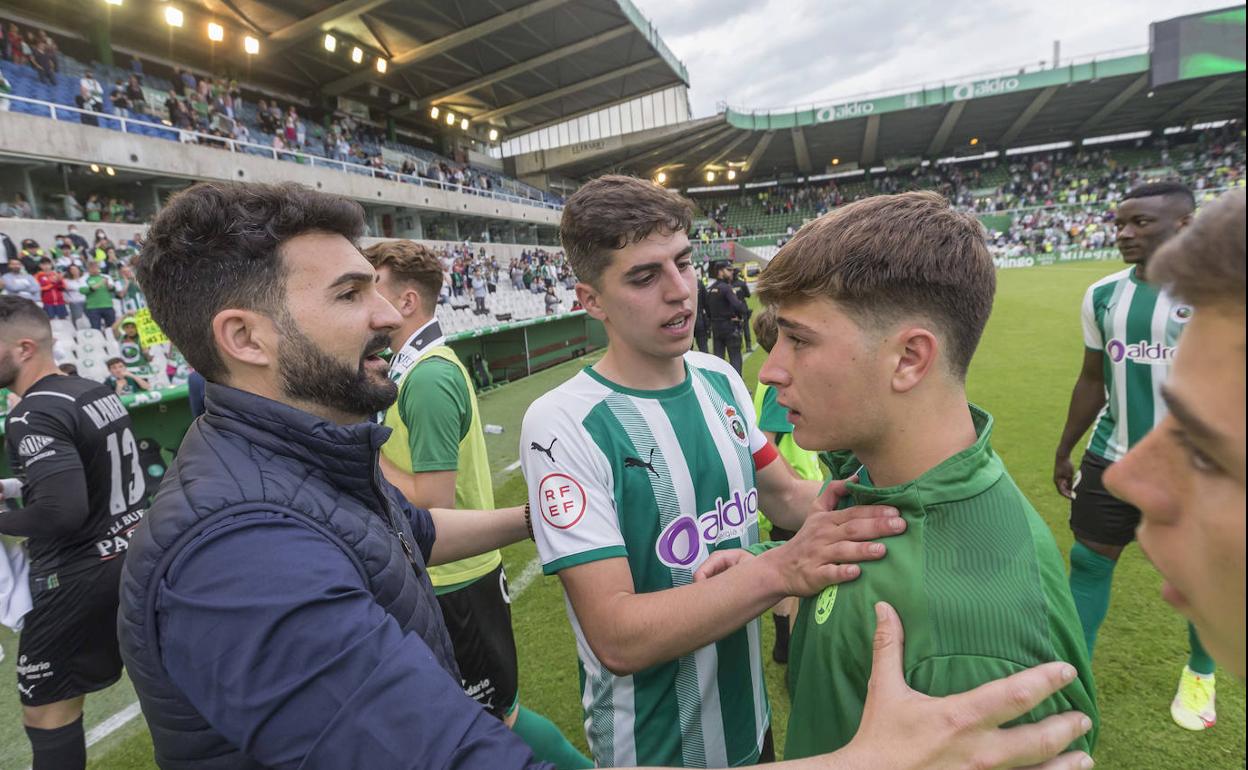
x,y
217,245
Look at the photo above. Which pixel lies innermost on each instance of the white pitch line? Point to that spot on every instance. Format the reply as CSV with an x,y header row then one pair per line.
x,y
112,724
530,573
511,467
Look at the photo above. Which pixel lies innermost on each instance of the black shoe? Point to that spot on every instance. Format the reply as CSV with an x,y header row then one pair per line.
x,y
780,652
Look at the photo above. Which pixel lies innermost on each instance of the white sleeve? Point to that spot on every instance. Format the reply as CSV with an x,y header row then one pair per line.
x,y
570,489
1092,337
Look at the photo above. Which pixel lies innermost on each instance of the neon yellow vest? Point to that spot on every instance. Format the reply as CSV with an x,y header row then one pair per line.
x,y
474,489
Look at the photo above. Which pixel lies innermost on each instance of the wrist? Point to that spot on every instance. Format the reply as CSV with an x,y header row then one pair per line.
x,y
771,565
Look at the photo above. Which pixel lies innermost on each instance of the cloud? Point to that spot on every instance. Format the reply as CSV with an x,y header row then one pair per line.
x,y
785,53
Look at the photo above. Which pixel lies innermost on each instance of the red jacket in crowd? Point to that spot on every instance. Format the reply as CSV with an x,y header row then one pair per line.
x,y
53,287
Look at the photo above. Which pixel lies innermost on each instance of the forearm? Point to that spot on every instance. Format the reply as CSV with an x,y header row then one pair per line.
x,y
789,504
642,630
464,533
1086,401
56,506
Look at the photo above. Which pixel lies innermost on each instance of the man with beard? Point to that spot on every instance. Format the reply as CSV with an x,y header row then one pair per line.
x,y
276,609
70,443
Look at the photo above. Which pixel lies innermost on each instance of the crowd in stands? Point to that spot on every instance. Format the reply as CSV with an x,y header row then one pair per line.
x,y
1055,200
96,208
477,275
213,110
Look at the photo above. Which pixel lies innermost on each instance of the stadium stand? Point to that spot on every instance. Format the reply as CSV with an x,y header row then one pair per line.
x,y
218,112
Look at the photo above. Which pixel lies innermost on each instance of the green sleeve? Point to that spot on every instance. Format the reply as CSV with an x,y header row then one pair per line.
x,y
436,408
951,674
758,548
773,417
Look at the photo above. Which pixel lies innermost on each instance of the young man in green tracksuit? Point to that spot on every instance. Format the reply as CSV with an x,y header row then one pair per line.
x,y
436,456
880,306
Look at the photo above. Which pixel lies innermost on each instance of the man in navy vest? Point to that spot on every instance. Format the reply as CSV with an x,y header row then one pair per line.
x,y
275,605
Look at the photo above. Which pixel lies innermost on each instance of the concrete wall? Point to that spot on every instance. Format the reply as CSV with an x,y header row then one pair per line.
x,y
45,231
43,138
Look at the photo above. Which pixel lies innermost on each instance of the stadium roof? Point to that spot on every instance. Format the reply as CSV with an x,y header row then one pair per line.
x,y
514,64
962,117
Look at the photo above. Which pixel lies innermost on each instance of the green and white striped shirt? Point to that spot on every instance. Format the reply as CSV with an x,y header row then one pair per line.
x,y
1136,327
660,478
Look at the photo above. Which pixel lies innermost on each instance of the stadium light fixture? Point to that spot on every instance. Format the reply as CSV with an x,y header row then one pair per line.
x,y
113,2
836,161
330,43
109,170
357,54
463,124
661,177
381,65
450,118
710,176
732,174
974,140
251,45
493,134
95,168
434,112
173,16
216,32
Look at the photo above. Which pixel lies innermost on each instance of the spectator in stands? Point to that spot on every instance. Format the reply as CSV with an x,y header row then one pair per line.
x,y
30,255
480,290
13,45
72,234
44,62
51,289
85,101
98,291
128,291
75,296
135,95
94,91
93,208
72,209
20,207
122,381
126,332
552,301
20,283
5,90
121,102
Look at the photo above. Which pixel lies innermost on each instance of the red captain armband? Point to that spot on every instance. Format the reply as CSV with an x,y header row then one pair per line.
x,y
765,455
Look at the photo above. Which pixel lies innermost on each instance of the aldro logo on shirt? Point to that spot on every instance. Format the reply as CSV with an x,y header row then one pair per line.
x,y
1142,352
687,540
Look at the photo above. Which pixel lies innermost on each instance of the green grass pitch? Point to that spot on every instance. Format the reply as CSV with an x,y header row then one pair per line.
x,y
1022,373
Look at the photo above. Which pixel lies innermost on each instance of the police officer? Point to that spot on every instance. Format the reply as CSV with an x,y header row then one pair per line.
x,y
742,290
726,312
700,323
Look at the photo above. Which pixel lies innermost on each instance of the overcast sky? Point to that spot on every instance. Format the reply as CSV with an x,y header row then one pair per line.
x,y
781,53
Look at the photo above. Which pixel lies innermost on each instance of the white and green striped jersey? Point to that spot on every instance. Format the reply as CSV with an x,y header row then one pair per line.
x,y
1136,327
660,478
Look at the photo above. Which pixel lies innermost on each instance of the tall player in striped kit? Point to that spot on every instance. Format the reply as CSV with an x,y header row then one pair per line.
x,y
1130,330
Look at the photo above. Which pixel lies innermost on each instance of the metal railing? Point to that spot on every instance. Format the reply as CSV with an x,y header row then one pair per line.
x,y
128,125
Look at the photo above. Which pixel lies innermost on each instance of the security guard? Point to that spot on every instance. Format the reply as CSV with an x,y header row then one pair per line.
x,y
743,293
700,323
726,312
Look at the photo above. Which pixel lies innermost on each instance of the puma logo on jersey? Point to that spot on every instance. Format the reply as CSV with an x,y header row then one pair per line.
x,y
549,451
634,462
23,419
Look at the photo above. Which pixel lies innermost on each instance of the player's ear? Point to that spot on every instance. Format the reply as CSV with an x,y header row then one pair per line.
x,y
246,337
916,350
589,298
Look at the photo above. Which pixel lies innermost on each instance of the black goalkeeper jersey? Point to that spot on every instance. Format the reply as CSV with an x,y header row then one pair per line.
x,y
64,430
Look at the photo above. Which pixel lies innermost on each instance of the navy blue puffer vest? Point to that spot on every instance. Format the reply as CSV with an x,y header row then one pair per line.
x,y
249,454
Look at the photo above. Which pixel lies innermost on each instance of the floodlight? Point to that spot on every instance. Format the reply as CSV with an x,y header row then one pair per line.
x,y
216,33
836,161
113,2
974,140
661,177
710,176
732,174
331,43
381,65
464,124
173,16
109,170
357,55
450,118
251,45
95,168
493,134
433,112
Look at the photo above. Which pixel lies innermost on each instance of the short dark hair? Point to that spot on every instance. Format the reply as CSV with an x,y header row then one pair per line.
x,y
19,311
1165,189
216,245
412,263
1204,264
613,211
114,360
890,255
